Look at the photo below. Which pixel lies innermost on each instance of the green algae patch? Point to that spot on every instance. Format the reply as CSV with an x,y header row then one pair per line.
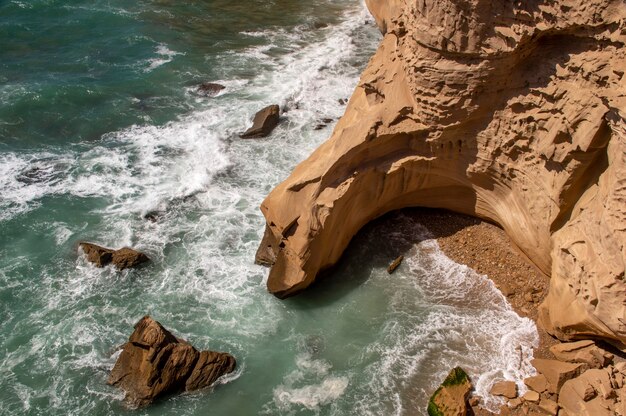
x,y
450,399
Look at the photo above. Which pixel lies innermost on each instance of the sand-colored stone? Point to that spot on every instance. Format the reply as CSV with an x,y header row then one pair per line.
x,y
537,383
531,396
505,388
549,406
556,372
585,351
591,394
509,111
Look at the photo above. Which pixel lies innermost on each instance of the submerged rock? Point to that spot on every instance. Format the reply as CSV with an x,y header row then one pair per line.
x,y
451,399
395,264
210,89
264,122
123,258
154,363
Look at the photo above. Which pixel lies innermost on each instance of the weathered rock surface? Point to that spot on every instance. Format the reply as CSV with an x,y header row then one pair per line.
x,y
154,363
596,392
537,383
509,111
264,122
585,351
451,399
556,372
122,259
506,389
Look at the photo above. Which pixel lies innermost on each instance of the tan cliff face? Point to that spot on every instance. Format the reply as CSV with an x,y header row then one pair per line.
x,y
510,111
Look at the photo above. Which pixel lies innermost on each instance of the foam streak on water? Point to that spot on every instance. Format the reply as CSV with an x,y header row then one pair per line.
x,y
358,344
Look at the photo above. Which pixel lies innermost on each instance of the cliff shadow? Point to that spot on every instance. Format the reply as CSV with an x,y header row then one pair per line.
x,y
374,248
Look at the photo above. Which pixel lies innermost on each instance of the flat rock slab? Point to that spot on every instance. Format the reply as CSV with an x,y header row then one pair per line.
x,y
155,363
265,121
506,389
556,372
585,351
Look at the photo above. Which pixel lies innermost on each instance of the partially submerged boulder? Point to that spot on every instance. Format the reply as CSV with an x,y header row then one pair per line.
x,y
264,122
210,89
395,264
154,363
451,399
122,259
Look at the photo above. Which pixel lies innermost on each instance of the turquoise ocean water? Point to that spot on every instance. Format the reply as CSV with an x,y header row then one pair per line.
x,y
100,124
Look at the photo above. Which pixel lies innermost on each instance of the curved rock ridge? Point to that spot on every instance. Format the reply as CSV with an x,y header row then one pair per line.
x,y
510,111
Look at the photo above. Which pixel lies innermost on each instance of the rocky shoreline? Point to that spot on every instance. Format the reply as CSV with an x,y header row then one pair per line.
x,y
487,249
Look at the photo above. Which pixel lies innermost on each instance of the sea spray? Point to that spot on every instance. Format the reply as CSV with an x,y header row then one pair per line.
x,y
142,141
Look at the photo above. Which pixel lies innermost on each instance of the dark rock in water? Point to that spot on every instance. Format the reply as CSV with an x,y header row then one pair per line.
x,y
323,123
451,398
210,89
314,344
264,122
127,257
122,259
154,363
153,216
395,264
100,256
320,25
342,101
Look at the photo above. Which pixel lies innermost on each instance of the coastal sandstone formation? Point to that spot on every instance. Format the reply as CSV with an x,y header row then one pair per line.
x,y
154,363
510,111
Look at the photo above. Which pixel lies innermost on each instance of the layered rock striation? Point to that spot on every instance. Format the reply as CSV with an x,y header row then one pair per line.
x,y
510,111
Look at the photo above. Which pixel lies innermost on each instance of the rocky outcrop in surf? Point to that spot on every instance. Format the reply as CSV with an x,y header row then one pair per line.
x,y
123,258
265,121
154,363
510,111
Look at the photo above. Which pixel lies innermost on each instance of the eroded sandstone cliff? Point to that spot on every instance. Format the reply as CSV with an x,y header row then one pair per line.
x,y
513,111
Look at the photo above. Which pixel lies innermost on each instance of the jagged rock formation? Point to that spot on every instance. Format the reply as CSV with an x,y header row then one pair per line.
x,y
123,258
511,111
154,363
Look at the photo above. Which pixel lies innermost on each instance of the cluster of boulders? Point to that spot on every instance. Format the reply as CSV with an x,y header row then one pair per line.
x,y
155,363
583,380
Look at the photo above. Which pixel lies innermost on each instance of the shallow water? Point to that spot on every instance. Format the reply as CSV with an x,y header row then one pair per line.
x,y
100,124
